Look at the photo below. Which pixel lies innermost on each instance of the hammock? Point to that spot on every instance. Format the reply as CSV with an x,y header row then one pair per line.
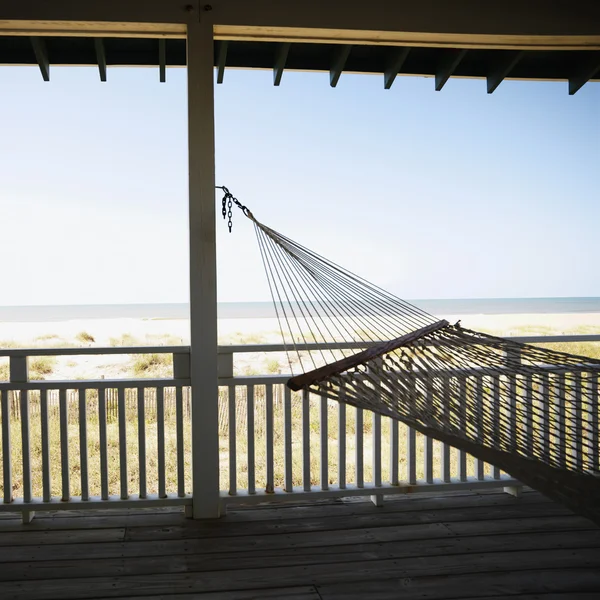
x,y
529,411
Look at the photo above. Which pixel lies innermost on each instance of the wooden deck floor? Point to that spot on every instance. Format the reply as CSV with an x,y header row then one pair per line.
x,y
457,546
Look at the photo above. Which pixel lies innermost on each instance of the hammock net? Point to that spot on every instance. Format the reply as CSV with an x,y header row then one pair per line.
x,y
529,411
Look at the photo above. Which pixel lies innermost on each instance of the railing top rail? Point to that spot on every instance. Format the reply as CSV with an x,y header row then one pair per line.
x,y
528,339
94,350
91,384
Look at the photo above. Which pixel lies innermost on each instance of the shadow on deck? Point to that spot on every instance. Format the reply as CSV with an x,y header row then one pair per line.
x,y
463,545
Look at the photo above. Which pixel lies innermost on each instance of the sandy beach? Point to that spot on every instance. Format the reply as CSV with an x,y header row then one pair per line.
x,y
174,332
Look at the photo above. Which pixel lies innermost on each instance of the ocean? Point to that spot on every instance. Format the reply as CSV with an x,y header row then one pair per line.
x,y
262,310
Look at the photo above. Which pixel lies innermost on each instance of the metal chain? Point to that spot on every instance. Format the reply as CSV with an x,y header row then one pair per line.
x,y
227,204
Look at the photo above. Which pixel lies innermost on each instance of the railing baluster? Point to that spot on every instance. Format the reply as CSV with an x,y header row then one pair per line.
x,y
6,449
103,443
232,440
160,433
306,440
496,417
64,444
377,450
342,442
411,455
324,443
479,464
594,454
394,476
25,445
287,438
446,449
83,444
269,438
45,427
577,423
122,444
462,415
560,421
141,409
180,448
360,471
251,441
544,417
428,454
528,412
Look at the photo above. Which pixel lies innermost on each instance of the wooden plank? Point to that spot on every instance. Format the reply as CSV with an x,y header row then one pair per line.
x,y
180,444
394,64
287,437
324,443
103,443
222,60
306,440
450,62
498,585
35,538
359,448
285,558
41,55
503,69
232,440
160,441
306,592
64,444
206,529
340,56
320,574
269,439
83,444
100,57
123,476
281,54
349,362
141,406
162,66
45,431
565,528
341,442
251,439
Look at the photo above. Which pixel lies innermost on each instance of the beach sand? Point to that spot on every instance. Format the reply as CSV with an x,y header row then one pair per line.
x,y
174,332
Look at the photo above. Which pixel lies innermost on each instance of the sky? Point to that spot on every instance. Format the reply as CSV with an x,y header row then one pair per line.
x,y
451,194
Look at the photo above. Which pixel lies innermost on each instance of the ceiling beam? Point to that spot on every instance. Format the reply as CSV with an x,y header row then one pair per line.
x,y
100,58
394,64
447,67
340,56
503,69
589,71
162,60
222,60
281,55
41,55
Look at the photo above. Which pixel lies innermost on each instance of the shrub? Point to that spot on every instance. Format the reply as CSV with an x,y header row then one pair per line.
x,y
152,365
84,337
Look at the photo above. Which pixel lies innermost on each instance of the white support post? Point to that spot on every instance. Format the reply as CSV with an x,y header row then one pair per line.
x,y
513,359
203,273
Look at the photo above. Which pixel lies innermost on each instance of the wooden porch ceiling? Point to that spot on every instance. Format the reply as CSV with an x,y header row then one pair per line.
x,y
441,63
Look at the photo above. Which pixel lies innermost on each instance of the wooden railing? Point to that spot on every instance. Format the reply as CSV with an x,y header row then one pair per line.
x,y
126,442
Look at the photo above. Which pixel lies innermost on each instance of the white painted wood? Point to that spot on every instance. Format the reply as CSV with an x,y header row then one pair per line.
x,y
232,441
478,410
45,438
559,425
324,443
180,447
376,449
428,458
25,445
446,449
203,272
6,449
342,443
306,440
269,438
576,423
287,438
251,439
27,516
359,449
594,421
103,444
64,444
514,490
462,415
528,414
543,415
96,384
160,439
367,490
496,415
76,503
123,476
83,444
181,365
94,350
411,455
394,451
141,410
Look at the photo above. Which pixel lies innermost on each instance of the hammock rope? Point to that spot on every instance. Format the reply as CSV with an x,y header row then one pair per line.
x,y
529,411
